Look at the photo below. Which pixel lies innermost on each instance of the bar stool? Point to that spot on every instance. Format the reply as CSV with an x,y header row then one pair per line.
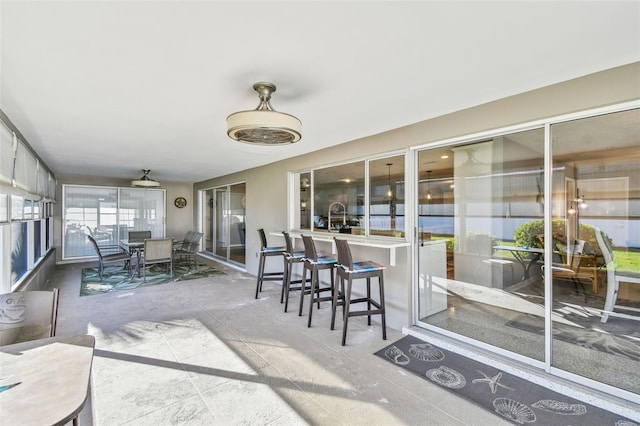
x,y
350,270
266,251
315,263
291,257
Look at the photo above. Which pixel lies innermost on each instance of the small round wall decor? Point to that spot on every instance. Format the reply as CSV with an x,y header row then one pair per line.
x,y
180,202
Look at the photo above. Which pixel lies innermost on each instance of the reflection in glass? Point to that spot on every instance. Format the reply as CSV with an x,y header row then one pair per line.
x,y
303,200
338,203
386,196
596,228
108,217
225,222
237,225
477,278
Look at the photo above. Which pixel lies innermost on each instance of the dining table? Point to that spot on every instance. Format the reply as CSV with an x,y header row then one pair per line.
x,y
134,248
45,381
526,256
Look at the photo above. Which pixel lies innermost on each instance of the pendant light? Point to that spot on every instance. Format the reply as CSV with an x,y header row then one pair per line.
x,y
264,125
145,181
390,191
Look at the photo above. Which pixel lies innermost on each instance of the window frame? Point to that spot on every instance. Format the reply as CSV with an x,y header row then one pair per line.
x,y
295,200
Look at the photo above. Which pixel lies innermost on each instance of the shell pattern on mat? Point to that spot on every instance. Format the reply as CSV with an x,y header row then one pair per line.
x,y
559,407
396,355
623,422
514,410
447,377
426,352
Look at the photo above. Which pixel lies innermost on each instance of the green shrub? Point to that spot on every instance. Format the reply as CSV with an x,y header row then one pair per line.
x,y
527,235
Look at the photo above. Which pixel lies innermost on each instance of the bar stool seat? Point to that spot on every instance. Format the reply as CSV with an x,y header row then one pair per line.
x,y
349,270
315,263
265,252
291,257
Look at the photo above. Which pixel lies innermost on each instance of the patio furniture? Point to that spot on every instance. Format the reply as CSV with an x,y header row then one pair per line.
x,y
138,236
46,380
109,255
482,245
156,251
349,270
526,256
189,249
570,270
28,315
614,278
266,252
315,263
184,242
291,257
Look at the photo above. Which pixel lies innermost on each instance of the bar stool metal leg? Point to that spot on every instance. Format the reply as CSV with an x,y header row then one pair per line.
x,y
348,270
266,251
314,263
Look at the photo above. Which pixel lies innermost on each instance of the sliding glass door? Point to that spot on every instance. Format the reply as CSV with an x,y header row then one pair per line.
x,y
108,214
596,235
537,258
477,277
225,213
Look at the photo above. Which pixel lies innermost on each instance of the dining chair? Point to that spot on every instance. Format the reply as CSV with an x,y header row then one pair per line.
x,y
569,270
109,255
138,236
267,251
189,249
348,270
614,278
156,251
28,315
183,243
314,263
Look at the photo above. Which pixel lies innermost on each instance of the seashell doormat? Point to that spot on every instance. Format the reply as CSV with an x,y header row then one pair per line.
x,y
515,399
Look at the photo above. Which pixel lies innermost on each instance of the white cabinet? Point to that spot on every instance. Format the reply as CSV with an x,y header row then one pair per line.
x,y
432,290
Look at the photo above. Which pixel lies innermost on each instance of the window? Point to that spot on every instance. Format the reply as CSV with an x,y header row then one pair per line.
x,y
108,214
364,197
338,194
4,208
386,195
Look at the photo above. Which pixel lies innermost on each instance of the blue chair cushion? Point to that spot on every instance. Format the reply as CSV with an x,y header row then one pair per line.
x,y
298,254
273,249
366,266
326,260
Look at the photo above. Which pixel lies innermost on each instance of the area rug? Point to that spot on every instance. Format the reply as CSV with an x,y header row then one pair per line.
x,y
115,278
513,398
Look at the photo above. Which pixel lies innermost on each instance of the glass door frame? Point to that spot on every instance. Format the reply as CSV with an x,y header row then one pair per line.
x,y
412,178
211,212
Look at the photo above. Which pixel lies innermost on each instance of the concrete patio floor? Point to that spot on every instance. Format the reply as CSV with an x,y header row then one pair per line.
x,y
205,352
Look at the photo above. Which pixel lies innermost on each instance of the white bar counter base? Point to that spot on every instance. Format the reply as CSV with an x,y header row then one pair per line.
x,y
328,237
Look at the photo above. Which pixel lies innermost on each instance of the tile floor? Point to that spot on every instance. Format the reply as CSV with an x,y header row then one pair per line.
x,y
205,352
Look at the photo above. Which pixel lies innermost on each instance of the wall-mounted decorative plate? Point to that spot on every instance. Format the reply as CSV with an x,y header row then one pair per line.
x,y
180,202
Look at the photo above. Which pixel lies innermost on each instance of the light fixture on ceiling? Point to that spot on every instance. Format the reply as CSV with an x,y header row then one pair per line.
x,y
145,181
428,180
264,125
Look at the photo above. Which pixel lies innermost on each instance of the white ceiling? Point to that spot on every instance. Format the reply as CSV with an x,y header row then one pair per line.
x,y
107,88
